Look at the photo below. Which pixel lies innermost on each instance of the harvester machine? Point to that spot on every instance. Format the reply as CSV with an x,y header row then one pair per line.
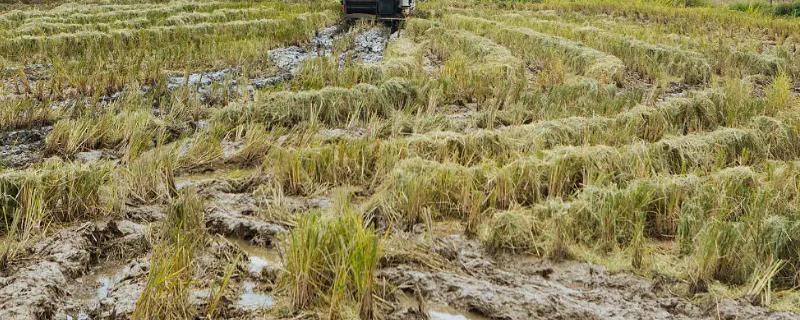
x,y
386,10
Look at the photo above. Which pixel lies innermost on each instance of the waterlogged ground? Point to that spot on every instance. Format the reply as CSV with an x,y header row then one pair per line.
x,y
22,148
473,89
97,270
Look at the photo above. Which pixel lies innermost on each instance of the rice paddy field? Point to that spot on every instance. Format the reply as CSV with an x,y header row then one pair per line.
x,y
554,159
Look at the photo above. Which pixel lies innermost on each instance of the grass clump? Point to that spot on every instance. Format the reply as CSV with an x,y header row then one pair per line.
x,y
151,177
651,61
57,192
476,69
618,216
779,95
331,262
320,72
131,132
418,190
719,148
330,106
68,192
204,151
256,144
745,230
559,173
513,230
403,58
24,113
361,161
304,171
166,293
583,60
735,225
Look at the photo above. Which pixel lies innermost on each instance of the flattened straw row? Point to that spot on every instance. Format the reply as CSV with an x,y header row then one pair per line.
x,y
330,105
644,57
563,172
582,60
360,161
51,26
76,43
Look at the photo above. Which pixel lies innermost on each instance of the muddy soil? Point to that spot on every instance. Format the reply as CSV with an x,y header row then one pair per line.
x,y
20,148
289,59
37,287
368,48
531,288
369,45
203,81
15,81
110,290
97,270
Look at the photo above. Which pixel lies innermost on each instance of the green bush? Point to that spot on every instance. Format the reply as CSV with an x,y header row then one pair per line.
x,y
782,9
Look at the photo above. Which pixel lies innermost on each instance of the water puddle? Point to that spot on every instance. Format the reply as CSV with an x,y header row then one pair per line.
x,y
257,264
254,300
259,258
105,286
97,285
447,313
438,311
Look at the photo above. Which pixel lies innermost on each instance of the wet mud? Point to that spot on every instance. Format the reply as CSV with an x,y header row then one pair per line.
x,y
20,148
531,288
16,81
368,47
251,299
39,287
109,292
238,224
98,270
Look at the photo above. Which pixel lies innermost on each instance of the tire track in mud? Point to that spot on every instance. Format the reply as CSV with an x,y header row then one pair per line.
x,y
532,288
367,48
495,287
21,148
37,287
92,286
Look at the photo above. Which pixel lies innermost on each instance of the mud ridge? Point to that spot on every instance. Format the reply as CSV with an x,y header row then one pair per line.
x,y
37,288
539,289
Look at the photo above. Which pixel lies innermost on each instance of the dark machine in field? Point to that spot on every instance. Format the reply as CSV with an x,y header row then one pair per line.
x,y
377,9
